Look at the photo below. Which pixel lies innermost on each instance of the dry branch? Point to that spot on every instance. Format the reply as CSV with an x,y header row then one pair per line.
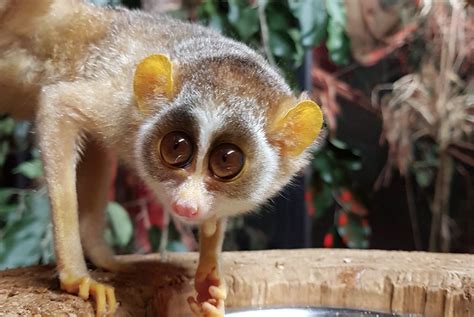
x,y
428,283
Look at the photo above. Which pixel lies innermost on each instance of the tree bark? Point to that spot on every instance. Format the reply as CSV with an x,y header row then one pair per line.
x,y
416,282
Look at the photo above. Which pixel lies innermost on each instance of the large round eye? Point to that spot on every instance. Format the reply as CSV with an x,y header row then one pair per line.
x,y
226,161
176,149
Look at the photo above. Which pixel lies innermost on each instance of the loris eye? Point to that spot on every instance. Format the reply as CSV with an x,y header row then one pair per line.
x,y
176,149
226,161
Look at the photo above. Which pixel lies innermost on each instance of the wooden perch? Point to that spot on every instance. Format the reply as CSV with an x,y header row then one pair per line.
x,y
416,282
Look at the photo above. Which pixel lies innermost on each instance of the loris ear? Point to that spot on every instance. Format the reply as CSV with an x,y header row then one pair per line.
x,y
298,128
153,77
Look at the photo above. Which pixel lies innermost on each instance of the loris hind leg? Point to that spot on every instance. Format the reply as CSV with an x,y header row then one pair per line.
x,y
58,131
93,183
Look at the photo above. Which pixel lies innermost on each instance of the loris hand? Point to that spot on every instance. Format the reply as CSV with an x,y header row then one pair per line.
x,y
211,290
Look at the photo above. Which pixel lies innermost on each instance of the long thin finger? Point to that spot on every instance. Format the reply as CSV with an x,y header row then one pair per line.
x,y
217,292
194,306
111,301
211,310
84,288
99,295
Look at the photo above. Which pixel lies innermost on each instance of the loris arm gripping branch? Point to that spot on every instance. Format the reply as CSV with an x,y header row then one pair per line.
x,y
204,120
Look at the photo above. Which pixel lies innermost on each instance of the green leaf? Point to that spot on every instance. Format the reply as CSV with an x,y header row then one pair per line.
x,y
47,247
7,125
312,18
244,19
37,203
338,175
176,246
337,11
323,167
210,14
298,54
337,41
207,9
22,242
355,232
217,22
5,195
154,236
4,147
6,210
281,44
21,136
353,165
424,177
121,224
323,200
339,144
234,11
32,169
278,19
109,236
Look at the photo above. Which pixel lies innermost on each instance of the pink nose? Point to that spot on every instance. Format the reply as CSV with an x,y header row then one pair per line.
x,y
184,211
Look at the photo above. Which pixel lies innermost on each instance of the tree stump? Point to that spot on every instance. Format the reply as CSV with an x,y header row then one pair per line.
x,y
415,282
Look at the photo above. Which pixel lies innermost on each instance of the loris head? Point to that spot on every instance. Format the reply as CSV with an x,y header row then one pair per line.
x,y
221,135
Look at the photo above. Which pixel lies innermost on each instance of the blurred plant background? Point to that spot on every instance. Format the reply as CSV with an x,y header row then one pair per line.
x,y
396,80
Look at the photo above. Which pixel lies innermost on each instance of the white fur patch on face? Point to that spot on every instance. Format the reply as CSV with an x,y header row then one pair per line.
x,y
265,185
227,207
143,132
210,120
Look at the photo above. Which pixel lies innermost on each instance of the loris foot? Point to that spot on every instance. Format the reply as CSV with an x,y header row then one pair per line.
x,y
84,287
212,292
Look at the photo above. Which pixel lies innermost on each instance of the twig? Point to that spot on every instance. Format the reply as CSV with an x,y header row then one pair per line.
x,y
470,200
415,227
186,234
464,145
324,79
441,202
164,235
465,158
264,32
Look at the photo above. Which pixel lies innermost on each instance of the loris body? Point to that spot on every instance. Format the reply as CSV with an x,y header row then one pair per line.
x,y
206,122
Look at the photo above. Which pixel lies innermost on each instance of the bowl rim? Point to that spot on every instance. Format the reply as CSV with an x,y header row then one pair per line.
x,y
327,309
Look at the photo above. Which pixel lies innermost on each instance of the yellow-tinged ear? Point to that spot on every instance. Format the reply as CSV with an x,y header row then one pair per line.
x,y
299,127
153,76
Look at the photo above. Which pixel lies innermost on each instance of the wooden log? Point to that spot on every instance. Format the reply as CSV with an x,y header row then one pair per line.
x,y
415,282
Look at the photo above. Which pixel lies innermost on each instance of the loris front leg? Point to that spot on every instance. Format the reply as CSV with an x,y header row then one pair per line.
x,y
59,123
209,282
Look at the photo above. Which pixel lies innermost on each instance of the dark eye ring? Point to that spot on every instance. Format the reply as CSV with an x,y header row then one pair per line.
x,y
176,149
226,161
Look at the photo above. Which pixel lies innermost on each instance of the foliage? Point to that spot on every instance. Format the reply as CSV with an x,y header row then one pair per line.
x,y
173,243
25,235
25,231
332,191
120,230
290,27
337,41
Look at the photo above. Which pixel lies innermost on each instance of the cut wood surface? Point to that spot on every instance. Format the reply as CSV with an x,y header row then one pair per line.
x,y
415,282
